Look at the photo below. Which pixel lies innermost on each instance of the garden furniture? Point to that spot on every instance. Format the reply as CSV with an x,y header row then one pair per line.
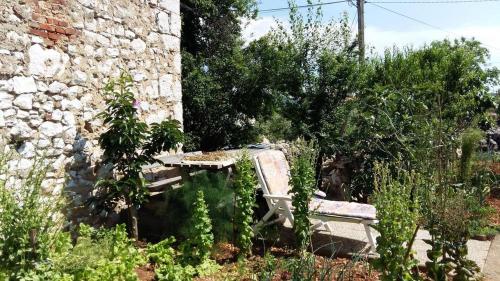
x,y
273,175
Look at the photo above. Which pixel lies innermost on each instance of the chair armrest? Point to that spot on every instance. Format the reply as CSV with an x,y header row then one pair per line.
x,y
278,197
319,194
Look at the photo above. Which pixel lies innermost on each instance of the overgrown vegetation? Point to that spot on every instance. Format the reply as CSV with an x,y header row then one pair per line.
x,y
30,222
398,215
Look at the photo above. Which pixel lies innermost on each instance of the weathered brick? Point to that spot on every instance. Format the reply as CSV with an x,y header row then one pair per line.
x,y
70,31
47,27
38,32
54,36
60,30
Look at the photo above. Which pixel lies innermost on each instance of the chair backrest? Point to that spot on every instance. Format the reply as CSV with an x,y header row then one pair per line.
x,y
273,172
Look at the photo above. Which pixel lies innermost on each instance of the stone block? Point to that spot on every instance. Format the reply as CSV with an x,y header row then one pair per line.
x,y
22,84
46,63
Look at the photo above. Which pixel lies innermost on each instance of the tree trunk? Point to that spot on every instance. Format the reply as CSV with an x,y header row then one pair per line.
x,y
134,230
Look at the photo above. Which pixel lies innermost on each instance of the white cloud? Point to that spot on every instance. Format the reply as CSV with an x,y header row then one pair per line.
x,y
254,29
381,39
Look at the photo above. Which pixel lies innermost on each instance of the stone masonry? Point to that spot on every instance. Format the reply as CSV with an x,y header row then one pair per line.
x,y
55,58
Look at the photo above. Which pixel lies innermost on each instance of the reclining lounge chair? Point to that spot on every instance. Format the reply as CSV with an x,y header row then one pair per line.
x,y
272,172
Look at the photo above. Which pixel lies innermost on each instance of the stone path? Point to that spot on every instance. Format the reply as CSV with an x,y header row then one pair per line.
x,y
491,268
351,238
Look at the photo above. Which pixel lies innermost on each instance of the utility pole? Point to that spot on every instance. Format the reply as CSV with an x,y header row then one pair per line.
x,y
361,29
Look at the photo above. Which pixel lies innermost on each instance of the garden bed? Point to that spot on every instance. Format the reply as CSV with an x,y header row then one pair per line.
x,y
276,265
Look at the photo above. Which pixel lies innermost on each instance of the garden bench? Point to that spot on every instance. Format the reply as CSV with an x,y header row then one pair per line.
x,y
273,174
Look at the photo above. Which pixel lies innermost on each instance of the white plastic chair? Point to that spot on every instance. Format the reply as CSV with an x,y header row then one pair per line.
x,y
273,174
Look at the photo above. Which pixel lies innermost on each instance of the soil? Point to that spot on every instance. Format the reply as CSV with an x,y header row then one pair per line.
x,y
494,202
226,255
209,156
146,272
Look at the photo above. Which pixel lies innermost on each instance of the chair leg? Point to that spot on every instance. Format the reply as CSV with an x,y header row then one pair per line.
x,y
256,227
328,228
371,241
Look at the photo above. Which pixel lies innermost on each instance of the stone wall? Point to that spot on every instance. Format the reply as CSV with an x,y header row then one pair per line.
x,y
55,58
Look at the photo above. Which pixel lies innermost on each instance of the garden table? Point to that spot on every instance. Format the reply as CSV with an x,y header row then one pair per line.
x,y
189,168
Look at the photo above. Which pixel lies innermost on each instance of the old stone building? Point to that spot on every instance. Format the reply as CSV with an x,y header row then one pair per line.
x,y
55,58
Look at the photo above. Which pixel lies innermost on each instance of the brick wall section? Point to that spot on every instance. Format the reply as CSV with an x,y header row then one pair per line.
x,y
55,58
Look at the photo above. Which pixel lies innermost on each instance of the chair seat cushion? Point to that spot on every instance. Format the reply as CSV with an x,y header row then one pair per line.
x,y
342,209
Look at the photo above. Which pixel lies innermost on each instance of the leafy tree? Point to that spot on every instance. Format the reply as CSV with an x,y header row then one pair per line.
x,y
129,144
244,183
221,92
410,98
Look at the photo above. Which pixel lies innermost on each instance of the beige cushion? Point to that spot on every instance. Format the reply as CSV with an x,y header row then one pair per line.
x,y
342,209
275,170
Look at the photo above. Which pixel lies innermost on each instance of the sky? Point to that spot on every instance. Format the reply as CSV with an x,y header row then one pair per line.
x,y
383,29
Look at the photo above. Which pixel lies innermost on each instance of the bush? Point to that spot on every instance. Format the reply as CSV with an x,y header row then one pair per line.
x,y
448,215
30,220
302,181
397,212
244,183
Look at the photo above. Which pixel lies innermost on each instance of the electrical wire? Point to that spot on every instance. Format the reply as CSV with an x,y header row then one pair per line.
x,y
425,23
303,6
433,2
380,2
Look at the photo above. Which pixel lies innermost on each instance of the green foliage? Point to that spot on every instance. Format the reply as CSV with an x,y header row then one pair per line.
x,y
104,254
129,144
98,255
29,219
222,92
302,182
244,183
397,212
411,96
164,257
448,215
197,247
219,197
470,144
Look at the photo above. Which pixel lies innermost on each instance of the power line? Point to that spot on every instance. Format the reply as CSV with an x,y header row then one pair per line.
x,y
379,2
408,17
425,23
434,2
303,6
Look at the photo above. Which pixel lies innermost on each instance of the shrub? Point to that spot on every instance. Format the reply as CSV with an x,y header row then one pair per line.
x,y
30,220
129,144
397,212
448,215
302,183
244,184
